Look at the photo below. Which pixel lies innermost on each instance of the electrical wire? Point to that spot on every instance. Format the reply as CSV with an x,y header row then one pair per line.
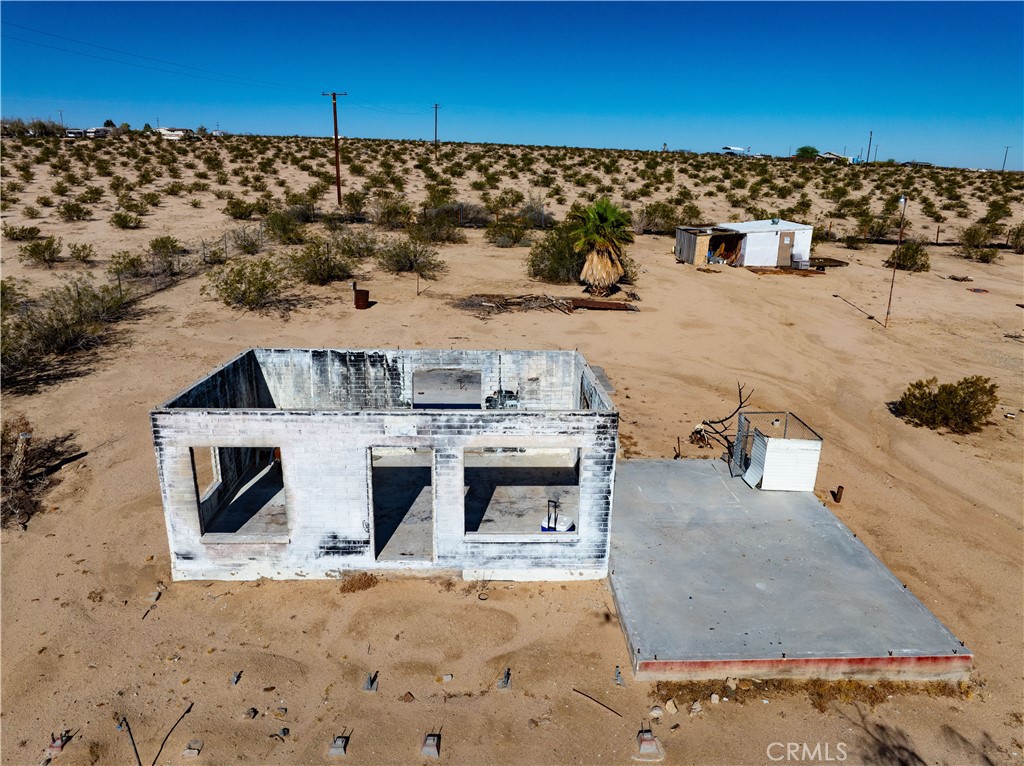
x,y
234,80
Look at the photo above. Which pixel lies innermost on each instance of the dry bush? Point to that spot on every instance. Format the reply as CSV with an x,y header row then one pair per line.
x,y
27,467
36,333
820,693
357,582
405,255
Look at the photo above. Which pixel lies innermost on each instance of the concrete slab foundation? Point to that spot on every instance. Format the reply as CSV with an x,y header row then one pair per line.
x,y
715,579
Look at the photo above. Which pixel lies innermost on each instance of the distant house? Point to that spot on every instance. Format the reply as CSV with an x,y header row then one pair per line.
x,y
74,133
917,164
833,157
758,244
176,134
97,132
218,133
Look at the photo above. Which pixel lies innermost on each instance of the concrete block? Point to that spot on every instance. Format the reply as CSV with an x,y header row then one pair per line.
x,y
431,746
339,746
192,749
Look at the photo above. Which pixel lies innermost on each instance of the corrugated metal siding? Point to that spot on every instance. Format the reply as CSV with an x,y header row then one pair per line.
x,y
758,451
790,464
686,244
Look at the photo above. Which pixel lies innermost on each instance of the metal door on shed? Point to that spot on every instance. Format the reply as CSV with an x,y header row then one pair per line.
x,y
786,248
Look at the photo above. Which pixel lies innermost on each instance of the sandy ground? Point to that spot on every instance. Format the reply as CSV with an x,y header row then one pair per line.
x,y
943,512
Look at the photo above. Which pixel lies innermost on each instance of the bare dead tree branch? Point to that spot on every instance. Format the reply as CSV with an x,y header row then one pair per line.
x,y
718,430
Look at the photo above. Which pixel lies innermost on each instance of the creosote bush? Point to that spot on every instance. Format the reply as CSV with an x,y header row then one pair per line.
x,y
404,255
42,252
554,259
255,285
962,407
123,220
319,263
72,317
20,233
911,255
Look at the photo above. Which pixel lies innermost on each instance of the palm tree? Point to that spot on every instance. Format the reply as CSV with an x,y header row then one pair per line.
x,y
600,231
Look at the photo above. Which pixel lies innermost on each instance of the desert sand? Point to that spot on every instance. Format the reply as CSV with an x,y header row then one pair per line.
x,y
81,646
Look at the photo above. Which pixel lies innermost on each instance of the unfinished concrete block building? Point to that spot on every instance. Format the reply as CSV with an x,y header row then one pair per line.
x,y
287,463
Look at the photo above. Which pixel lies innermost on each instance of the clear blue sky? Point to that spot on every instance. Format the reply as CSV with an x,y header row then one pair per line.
x,y
942,82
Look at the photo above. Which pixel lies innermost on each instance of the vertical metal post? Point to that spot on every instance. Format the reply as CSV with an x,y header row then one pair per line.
x,y
871,135
1005,153
895,257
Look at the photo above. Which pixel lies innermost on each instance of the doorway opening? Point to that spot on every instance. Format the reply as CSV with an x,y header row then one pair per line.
x,y
403,504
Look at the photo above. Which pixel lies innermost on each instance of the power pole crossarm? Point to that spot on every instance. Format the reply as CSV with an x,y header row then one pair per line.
x,y
337,149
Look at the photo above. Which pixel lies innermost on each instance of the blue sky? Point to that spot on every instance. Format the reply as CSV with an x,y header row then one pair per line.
x,y
942,82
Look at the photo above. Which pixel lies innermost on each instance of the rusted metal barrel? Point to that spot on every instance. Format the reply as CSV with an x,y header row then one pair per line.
x,y
362,299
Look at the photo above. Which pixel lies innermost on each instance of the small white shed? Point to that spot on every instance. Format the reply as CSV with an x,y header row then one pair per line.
x,y
773,243
776,451
759,244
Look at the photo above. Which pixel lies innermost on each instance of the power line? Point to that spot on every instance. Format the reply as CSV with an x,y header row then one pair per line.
x,y
146,58
155,69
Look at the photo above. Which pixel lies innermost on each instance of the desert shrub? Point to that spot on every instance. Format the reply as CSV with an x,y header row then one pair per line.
x,y
437,225
390,211
124,220
165,253
248,239
25,465
911,255
72,317
127,265
20,233
71,210
31,212
962,407
507,232
91,195
554,259
1016,237
239,209
357,244
42,252
82,252
44,200
533,213
405,255
319,263
255,285
974,243
285,226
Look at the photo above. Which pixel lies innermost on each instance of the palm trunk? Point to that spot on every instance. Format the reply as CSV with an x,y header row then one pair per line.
x,y
601,270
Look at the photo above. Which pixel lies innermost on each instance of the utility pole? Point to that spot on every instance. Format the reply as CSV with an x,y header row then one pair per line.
x,y
436,145
871,134
876,152
337,150
1007,148
61,113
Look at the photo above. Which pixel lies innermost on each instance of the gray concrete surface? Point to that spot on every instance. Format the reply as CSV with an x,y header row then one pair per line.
x,y
713,578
